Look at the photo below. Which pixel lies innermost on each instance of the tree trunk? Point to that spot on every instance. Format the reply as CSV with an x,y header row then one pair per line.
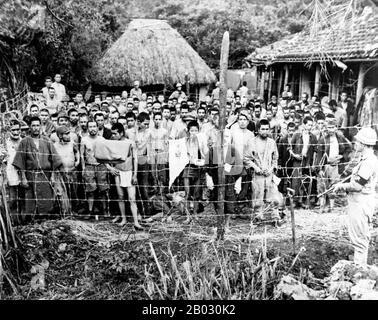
x,y
222,116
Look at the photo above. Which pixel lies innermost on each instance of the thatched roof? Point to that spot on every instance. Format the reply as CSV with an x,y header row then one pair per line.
x,y
359,44
152,52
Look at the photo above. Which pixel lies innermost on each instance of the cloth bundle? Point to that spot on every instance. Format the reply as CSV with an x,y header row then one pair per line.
x,y
109,150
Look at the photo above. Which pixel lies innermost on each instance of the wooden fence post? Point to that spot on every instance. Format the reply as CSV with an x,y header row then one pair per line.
x,y
222,116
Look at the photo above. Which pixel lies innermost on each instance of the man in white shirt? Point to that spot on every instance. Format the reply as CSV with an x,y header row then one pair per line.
x,y
215,93
45,89
230,94
178,94
136,91
244,90
60,89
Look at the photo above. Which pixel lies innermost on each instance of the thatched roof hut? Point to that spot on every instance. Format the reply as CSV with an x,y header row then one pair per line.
x,y
152,52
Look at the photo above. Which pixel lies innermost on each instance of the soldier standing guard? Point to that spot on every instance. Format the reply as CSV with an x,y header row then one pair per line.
x,y
361,194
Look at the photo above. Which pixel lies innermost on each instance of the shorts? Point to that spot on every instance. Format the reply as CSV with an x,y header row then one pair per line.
x,y
95,178
124,179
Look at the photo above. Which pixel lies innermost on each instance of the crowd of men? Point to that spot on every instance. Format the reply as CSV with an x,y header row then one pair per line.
x,y
269,147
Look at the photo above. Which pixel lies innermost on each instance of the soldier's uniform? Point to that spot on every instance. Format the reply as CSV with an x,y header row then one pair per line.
x,y
361,196
361,205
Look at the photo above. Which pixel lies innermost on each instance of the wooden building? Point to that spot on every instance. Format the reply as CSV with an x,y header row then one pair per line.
x,y
341,59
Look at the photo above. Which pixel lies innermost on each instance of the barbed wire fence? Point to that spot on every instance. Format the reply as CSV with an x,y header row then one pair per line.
x,y
23,100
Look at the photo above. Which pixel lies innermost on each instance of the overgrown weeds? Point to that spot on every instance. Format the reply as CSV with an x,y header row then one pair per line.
x,y
55,262
214,272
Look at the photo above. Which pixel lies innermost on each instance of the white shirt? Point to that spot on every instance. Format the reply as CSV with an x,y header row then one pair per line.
x,y
60,90
306,142
11,171
243,91
333,147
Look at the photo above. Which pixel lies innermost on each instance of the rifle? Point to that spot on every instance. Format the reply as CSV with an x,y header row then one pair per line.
x,y
333,186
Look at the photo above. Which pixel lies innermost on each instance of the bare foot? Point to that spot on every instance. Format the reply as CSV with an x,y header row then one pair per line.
x,y
138,227
116,219
122,223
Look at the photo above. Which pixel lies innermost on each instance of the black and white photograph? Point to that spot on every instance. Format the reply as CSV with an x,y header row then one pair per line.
x,y
206,151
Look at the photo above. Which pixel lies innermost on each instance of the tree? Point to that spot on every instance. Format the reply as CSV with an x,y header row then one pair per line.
x,y
68,38
250,23
41,37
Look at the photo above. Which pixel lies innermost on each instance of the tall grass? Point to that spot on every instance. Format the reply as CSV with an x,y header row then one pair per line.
x,y
7,236
215,272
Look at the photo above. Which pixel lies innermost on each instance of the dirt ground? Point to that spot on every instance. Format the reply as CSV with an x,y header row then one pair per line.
x,y
71,259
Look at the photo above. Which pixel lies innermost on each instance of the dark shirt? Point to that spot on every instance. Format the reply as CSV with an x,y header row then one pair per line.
x,y
284,157
107,133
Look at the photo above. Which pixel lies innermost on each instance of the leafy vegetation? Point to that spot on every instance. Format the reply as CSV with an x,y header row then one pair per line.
x,y
43,37
38,37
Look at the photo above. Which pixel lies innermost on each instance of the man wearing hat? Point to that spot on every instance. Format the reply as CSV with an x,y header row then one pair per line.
x,y
178,94
63,121
12,174
361,194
